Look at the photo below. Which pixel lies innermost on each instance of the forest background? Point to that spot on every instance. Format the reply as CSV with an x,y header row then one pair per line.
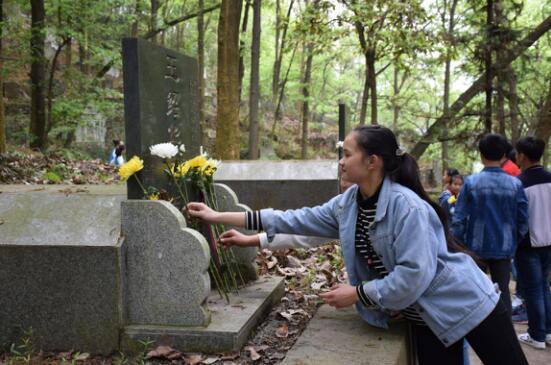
x,y
440,73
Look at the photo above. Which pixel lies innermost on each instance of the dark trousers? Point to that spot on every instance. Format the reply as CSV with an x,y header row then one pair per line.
x,y
534,265
500,272
494,340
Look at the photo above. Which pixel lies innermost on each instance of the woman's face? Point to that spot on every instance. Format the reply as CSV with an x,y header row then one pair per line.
x,y
455,186
354,164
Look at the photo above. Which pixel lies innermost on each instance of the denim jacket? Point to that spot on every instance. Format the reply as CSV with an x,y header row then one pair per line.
x,y
448,290
491,214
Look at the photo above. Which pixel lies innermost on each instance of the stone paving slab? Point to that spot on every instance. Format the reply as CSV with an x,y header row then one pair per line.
x,y
230,325
341,337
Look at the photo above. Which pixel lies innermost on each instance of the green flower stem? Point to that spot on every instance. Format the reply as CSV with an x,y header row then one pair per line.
x,y
140,183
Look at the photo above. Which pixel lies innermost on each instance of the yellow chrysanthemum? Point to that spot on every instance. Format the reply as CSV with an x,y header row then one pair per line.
x,y
197,162
154,196
128,169
180,170
452,199
209,168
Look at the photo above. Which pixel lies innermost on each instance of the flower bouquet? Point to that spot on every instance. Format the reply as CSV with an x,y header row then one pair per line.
x,y
192,178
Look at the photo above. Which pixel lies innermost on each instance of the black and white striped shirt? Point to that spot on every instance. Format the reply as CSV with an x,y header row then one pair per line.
x,y
364,249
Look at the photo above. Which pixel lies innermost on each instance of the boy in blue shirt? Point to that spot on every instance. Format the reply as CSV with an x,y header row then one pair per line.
x,y
491,214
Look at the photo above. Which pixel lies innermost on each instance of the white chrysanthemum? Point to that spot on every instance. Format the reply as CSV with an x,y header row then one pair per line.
x,y
340,144
183,148
164,150
202,152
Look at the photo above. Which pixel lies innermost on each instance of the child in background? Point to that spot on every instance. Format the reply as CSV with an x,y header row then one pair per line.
x,y
448,198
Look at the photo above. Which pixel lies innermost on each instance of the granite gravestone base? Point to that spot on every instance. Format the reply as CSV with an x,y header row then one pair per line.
x,y
60,264
167,289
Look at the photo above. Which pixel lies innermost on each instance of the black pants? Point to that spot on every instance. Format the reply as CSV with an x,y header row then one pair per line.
x,y
500,272
494,340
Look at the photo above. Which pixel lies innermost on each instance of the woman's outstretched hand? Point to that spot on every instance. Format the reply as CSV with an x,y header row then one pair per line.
x,y
236,238
340,296
202,212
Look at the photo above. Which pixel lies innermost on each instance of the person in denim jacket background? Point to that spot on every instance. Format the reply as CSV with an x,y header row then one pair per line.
x,y
415,267
491,214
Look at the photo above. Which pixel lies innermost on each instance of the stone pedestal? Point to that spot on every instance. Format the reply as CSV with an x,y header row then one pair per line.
x,y
165,273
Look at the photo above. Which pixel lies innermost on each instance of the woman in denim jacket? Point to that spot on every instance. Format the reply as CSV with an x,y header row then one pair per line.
x,y
398,253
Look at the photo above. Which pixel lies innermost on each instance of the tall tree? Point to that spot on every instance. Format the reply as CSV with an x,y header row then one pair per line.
x,y
2,116
448,23
434,132
201,69
384,27
488,50
281,28
227,128
242,45
38,80
153,18
254,94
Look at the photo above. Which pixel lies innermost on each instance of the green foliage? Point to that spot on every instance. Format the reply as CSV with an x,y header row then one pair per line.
x,y
24,351
410,39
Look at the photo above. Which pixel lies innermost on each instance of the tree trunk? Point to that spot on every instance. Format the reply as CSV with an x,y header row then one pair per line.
x,y
153,18
488,66
227,129
135,28
305,103
242,45
500,103
543,125
277,114
50,94
513,104
370,58
255,83
2,115
360,30
395,106
365,95
38,64
447,80
280,48
435,130
201,71
277,67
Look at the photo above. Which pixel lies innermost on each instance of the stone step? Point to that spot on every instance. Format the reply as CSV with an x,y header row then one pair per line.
x,y
341,337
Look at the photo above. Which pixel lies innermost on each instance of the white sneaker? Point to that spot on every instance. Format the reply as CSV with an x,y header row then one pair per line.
x,y
548,339
525,338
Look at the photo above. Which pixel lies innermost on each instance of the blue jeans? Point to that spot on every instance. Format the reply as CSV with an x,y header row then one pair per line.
x,y
533,267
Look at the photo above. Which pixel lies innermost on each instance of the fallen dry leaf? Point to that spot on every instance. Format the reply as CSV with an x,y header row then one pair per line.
x,y
229,356
283,330
210,360
160,351
254,355
193,359
82,357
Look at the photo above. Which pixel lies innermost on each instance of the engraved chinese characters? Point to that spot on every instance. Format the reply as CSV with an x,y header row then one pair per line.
x,y
160,93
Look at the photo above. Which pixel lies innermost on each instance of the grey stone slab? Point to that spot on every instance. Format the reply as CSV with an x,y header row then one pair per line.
x,y
112,189
341,337
166,280
262,170
68,295
59,219
59,270
280,184
160,92
246,256
230,325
